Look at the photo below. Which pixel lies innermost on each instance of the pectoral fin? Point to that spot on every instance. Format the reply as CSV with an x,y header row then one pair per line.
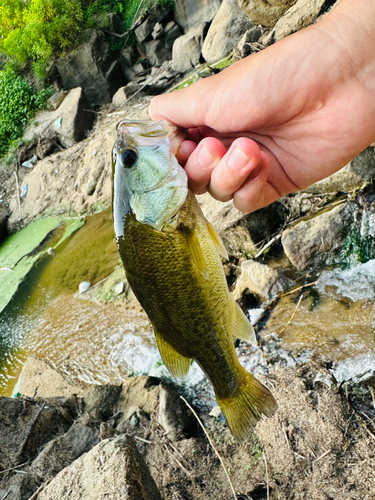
x,y
195,249
242,328
177,364
217,240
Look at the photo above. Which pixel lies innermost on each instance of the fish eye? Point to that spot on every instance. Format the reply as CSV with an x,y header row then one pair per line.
x,y
129,157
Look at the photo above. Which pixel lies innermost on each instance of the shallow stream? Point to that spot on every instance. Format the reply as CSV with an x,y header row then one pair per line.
x,y
93,341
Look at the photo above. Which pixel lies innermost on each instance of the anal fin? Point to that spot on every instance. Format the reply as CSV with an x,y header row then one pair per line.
x,y
242,328
177,364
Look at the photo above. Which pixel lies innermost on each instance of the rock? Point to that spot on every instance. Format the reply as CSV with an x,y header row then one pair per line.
x,y
94,67
113,469
158,31
188,13
120,288
84,286
123,94
145,29
300,15
63,450
229,24
171,31
174,416
138,395
252,35
3,223
157,52
70,122
187,49
321,239
100,401
359,172
261,280
56,99
265,12
26,425
39,378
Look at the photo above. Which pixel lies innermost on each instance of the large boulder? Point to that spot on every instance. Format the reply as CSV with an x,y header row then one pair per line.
x,y
187,49
94,67
188,13
144,30
229,24
265,12
70,122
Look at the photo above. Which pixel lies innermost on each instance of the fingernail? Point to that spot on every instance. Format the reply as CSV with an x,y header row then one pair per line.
x,y
237,159
204,158
254,173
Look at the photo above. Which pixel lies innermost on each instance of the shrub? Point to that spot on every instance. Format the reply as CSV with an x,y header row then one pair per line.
x,y
17,102
42,28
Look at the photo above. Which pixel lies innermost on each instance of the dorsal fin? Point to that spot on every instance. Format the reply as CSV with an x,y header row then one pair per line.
x,y
217,241
242,328
177,364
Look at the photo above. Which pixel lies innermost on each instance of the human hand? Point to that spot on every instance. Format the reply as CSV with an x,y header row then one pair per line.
x,y
284,118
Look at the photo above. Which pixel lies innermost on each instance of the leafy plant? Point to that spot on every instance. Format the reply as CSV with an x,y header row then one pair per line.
x,y
38,29
17,102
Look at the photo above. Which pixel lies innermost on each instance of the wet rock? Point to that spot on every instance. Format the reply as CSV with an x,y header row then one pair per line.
x,y
229,24
320,240
174,415
262,281
113,469
70,122
187,49
188,13
301,14
358,173
265,12
101,400
94,67
62,451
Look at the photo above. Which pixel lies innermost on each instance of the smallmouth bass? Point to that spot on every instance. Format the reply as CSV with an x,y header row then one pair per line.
x,y
170,253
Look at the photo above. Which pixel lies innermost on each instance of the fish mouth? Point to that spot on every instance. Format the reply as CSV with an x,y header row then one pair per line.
x,y
147,133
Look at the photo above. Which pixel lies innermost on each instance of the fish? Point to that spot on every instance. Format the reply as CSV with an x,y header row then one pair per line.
x,y
172,260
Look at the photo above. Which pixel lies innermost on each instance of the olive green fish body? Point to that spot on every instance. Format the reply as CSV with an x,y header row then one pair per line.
x,y
171,257
190,310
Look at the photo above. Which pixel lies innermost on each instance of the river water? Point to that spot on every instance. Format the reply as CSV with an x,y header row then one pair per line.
x,y
92,342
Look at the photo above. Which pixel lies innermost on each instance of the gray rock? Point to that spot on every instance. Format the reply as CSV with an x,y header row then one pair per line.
x,y
359,172
174,416
3,222
188,13
252,35
229,24
321,239
300,15
56,99
100,401
262,281
187,49
145,29
113,469
69,123
171,31
158,31
157,52
123,94
265,12
94,67
62,451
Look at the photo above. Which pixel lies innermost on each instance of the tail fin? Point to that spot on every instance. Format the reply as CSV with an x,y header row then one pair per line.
x,y
243,411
